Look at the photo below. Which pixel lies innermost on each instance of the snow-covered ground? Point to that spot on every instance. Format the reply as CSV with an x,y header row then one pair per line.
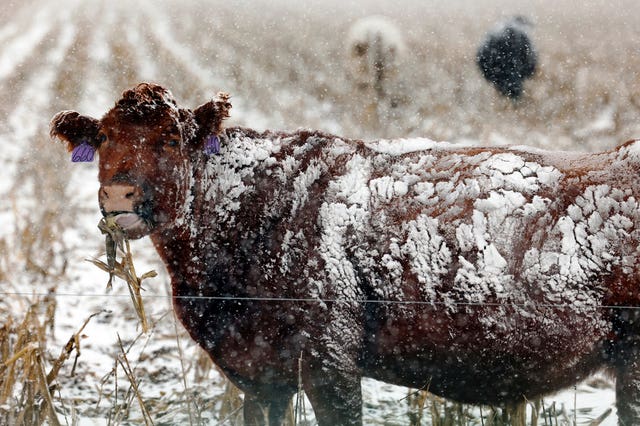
x,y
283,63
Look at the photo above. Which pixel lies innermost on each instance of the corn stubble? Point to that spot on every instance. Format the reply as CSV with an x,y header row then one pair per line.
x,y
28,378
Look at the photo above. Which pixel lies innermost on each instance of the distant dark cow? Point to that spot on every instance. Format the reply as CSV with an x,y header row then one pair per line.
x,y
485,275
507,58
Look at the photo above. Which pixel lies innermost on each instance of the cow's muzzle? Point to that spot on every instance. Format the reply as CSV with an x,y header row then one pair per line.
x,y
122,203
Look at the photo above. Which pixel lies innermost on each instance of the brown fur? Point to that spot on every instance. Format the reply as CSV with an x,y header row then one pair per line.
x,y
251,258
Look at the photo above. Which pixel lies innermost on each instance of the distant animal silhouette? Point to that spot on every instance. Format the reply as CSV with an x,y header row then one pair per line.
x,y
485,275
507,57
374,47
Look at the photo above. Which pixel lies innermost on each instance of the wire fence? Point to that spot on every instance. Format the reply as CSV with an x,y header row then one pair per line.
x,y
336,300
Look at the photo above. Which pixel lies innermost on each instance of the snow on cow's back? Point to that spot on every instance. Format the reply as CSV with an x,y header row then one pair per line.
x,y
520,228
500,218
458,200
468,222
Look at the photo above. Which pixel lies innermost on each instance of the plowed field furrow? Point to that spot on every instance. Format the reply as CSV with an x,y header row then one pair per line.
x,y
100,68
21,134
138,51
270,74
35,185
25,42
195,67
199,73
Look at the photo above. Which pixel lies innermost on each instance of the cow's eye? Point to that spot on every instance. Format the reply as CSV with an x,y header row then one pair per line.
x,y
101,138
173,143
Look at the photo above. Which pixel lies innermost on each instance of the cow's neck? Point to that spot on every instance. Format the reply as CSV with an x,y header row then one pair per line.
x,y
197,247
241,205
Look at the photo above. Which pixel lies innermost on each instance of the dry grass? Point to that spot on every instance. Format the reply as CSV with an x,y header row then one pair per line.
x,y
27,375
31,253
115,241
424,407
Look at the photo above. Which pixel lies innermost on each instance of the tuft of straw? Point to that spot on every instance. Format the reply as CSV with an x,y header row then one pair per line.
x,y
123,360
26,388
116,240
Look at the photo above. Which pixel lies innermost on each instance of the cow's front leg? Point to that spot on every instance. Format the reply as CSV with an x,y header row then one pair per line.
x,y
330,369
336,397
265,411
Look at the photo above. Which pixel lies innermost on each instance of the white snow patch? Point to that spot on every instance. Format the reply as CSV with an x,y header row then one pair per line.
x,y
404,146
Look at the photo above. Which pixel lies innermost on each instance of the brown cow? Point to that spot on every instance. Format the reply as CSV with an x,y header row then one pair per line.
x,y
487,275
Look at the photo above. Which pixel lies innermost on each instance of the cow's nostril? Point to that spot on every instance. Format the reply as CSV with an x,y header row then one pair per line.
x,y
118,197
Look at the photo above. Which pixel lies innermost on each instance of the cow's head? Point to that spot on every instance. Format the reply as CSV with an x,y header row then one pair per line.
x,y
145,144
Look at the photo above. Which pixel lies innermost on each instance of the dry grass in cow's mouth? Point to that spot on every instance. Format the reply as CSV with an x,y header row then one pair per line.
x,y
116,240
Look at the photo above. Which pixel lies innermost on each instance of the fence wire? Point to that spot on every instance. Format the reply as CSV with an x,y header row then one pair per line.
x,y
336,300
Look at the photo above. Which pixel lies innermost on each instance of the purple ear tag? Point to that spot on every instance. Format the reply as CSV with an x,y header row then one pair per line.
x,y
83,153
212,145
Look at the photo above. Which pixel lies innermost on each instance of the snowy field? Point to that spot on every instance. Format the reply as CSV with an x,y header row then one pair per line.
x,y
284,64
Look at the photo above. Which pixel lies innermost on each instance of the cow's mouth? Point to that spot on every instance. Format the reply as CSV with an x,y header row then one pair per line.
x,y
132,224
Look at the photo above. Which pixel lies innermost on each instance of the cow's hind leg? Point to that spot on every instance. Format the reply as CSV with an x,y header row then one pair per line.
x,y
628,391
265,412
627,367
336,398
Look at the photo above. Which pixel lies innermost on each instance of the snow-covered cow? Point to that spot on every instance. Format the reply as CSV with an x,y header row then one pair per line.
x,y
487,275
507,57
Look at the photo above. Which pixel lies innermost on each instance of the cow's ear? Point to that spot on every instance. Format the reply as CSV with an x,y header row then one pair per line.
x,y
75,129
209,116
